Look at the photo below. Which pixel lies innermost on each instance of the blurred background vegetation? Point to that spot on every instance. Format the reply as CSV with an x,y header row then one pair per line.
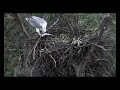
x,y
14,35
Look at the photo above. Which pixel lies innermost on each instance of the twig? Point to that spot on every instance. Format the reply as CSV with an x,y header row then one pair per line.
x,y
20,57
61,57
34,66
53,23
100,47
11,50
53,59
16,68
34,47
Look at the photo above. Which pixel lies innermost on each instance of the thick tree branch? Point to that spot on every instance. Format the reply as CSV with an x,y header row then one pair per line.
x,y
23,27
103,25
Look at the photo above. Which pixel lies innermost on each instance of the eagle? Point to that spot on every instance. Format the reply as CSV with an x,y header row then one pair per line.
x,y
39,23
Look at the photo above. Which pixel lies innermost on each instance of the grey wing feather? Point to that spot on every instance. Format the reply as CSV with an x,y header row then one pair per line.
x,y
40,21
35,24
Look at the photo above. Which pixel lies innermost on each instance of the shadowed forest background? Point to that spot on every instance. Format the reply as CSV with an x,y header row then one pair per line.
x,y
81,45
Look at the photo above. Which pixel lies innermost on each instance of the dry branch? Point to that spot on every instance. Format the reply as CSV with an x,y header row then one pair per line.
x,y
23,28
